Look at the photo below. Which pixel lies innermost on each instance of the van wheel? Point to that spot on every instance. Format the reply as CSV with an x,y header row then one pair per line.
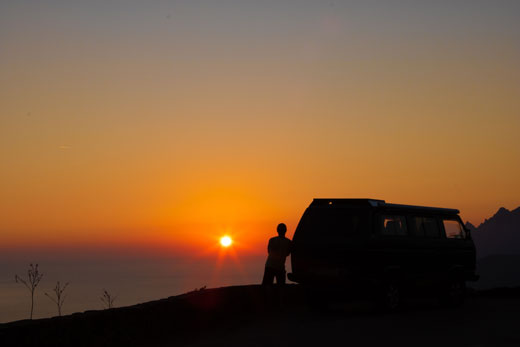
x,y
455,293
390,297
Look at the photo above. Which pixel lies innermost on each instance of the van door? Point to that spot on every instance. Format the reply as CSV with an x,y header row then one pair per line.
x,y
390,247
428,245
458,251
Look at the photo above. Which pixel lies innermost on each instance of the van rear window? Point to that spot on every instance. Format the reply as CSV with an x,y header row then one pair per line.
x,y
329,225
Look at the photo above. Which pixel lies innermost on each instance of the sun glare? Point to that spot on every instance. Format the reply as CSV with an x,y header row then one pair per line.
x,y
226,241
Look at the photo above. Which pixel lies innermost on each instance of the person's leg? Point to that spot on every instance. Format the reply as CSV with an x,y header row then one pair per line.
x,y
280,285
268,276
280,276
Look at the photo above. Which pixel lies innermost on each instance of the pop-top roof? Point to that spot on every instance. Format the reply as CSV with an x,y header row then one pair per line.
x,y
378,203
347,202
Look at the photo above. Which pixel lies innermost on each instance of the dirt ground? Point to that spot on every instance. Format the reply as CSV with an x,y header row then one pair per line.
x,y
483,321
248,316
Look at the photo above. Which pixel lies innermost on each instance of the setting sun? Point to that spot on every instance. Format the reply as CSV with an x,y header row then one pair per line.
x,y
226,241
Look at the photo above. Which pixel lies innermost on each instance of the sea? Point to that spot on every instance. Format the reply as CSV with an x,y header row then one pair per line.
x,y
134,280
129,280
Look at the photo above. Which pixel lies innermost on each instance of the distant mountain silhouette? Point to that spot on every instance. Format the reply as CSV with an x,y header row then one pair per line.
x,y
498,235
497,241
498,271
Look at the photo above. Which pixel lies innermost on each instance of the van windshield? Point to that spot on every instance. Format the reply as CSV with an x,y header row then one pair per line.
x,y
330,225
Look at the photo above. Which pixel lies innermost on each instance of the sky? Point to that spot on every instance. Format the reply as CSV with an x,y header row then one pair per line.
x,y
162,125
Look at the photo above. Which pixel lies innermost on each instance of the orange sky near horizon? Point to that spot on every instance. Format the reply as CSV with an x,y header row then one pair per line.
x,y
165,127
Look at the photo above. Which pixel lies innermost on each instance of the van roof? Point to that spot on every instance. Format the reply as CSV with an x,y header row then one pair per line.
x,y
379,203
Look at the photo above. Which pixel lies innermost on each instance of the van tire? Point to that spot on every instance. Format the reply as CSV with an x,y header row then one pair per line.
x,y
390,296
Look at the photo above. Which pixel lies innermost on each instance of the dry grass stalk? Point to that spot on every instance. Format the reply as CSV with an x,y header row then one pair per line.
x,y
107,299
34,277
58,297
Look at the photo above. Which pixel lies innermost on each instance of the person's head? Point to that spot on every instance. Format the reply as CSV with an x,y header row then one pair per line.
x,y
281,229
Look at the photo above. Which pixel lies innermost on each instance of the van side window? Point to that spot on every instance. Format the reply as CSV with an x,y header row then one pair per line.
x,y
426,227
394,226
453,229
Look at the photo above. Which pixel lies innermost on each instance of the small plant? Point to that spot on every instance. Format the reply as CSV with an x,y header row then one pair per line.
x,y
107,299
58,298
34,277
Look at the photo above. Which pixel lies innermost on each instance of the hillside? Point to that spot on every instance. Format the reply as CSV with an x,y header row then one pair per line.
x,y
497,241
498,235
498,271
247,316
175,319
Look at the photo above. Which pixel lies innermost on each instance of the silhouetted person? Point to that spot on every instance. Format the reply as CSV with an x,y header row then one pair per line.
x,y
279,248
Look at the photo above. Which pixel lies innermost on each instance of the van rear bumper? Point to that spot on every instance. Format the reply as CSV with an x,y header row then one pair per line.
x,y
336,281
310,278
470,277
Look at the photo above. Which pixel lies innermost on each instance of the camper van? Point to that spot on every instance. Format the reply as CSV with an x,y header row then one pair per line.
x,y
388,251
